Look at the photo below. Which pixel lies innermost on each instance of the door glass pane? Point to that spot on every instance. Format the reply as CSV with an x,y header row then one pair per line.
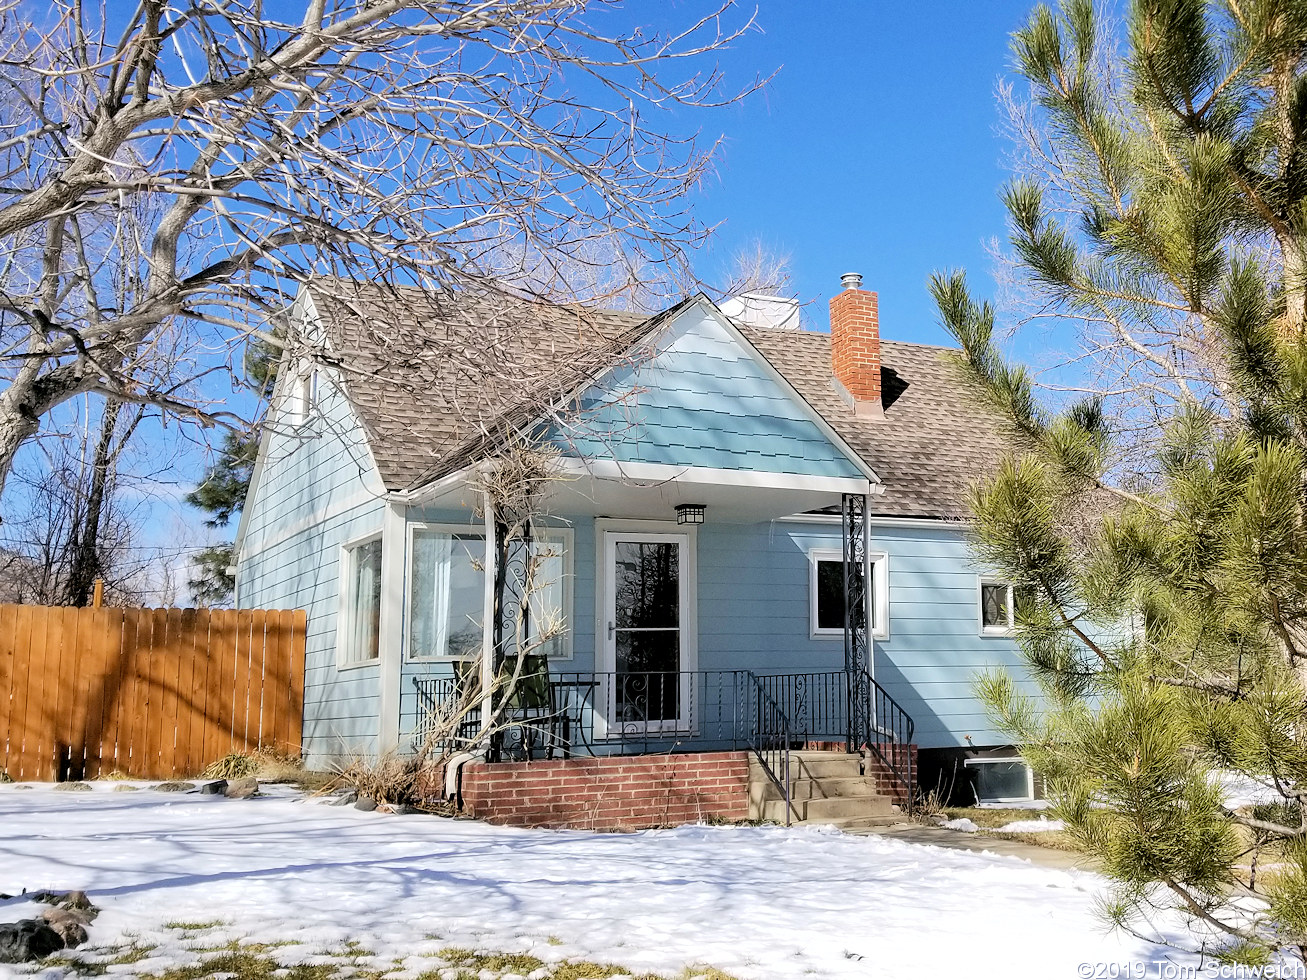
x,y
648,685
647,580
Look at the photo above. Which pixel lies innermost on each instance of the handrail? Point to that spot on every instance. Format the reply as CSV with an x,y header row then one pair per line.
x,y
777,736
888,724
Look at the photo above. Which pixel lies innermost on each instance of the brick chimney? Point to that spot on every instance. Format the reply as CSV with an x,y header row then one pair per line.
x,y
855,345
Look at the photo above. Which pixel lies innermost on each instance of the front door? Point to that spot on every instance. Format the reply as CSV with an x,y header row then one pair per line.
x,y
646,642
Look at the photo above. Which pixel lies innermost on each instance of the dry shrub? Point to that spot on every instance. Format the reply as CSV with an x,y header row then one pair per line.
x,y
234,765
394,779
268,765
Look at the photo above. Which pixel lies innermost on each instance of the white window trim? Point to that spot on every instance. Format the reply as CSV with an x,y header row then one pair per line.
x,y
878,565
984,630
1030,778
565,535
567,538
302,395
345,598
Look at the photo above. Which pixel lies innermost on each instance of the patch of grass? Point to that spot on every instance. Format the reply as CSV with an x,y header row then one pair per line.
x,y
1054,839
989,819
252,961
244,964
103,959
469,964
471,960
234,765
182,926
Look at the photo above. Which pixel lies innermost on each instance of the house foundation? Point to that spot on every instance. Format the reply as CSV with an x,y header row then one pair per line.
x,y
613,793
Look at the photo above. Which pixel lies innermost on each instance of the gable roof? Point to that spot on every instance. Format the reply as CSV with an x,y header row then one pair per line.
x,y
437,379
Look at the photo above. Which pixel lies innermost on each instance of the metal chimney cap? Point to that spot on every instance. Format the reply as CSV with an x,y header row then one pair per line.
x,y
851,280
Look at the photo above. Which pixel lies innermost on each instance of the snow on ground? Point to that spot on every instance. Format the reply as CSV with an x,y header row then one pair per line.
x,y
1031,826
964,824
1241,790
757,902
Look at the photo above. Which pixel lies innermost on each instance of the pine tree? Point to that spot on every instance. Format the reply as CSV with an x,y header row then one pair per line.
x,y
1162,595
222,490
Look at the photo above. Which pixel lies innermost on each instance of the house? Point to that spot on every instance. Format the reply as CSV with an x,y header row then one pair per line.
x,y
722,493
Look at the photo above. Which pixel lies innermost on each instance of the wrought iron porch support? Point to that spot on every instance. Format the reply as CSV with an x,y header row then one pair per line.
x,y
857,644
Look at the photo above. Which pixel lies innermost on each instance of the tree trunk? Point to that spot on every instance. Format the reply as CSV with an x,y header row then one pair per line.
x,y
84,557
15,429
1295,285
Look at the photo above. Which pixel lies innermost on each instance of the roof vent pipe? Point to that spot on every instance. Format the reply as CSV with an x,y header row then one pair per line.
x,y
851,280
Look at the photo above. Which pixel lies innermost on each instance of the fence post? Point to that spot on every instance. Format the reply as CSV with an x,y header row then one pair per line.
x,y
97,599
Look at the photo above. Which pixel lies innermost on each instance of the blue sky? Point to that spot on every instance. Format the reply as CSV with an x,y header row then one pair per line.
x,y
875,149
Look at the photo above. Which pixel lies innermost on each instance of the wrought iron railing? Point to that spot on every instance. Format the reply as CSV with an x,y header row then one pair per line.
x,y
447,721
889,736
560,714
771,737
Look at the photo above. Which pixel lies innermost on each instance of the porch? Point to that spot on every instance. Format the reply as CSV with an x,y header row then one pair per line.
x,y
773,720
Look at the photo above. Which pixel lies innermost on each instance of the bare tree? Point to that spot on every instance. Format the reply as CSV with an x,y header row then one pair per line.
x,y
395,141
758,268
78,516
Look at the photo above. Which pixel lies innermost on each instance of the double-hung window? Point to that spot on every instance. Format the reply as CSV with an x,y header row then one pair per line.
x,y
359,632
446,593
447,589
826,593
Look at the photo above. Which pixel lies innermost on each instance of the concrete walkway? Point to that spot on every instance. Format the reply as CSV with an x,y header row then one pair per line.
x,y
1045,857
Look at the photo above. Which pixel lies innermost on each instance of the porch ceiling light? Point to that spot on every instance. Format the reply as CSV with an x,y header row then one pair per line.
x,y
689,513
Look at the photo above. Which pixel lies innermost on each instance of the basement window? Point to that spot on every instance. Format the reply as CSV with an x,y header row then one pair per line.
x,y
1003,780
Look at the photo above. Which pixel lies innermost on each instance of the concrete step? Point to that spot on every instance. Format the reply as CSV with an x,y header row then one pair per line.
x,y
819,765
816,789
829,810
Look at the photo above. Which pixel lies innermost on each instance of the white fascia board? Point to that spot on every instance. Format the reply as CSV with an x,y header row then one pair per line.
x,y
934,523
428,491
611,469
813,415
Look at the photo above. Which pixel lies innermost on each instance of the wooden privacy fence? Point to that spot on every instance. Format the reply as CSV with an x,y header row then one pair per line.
x,y
150,693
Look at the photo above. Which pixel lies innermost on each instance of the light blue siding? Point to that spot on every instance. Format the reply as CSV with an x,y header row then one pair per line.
x,y
702,400
934,650
317,489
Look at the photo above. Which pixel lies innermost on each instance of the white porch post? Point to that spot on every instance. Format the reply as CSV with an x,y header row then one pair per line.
x,y
391,631
488,614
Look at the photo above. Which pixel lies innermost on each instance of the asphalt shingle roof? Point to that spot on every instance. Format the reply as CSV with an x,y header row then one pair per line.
x,y
435,379
936,436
